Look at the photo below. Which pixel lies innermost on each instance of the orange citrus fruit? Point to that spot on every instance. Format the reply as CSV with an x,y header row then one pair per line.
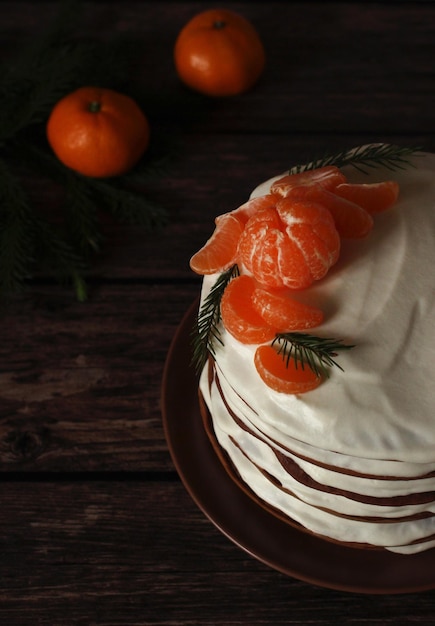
x,y
240,317
219,53
98,132
283,377
373,197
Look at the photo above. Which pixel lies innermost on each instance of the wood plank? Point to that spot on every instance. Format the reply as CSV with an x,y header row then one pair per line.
x,y
132,553
80,383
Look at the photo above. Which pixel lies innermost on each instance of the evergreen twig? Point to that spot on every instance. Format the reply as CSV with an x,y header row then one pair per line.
x,y
363,158
16,233
206,329
306,349
42,72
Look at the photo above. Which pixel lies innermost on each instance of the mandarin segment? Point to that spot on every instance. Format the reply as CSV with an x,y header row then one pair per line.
x,y
351,220
311,226
373,197
284,312
282,376
239,316
292,266
220,251
327,177
253,206
259,246
316,254
265,256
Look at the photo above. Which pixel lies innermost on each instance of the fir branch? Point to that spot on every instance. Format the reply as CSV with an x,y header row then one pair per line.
x,y
81,219
16,233
44,70
206,330
126,205
363,158
26,237
306,349
54,251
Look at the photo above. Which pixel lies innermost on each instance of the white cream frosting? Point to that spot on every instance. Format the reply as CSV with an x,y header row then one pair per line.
x,y
377,417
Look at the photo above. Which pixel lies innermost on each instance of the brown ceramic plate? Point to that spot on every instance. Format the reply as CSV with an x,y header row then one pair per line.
x,y
251,527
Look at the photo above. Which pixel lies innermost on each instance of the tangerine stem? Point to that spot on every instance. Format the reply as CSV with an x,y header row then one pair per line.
x,y
94,106
219,24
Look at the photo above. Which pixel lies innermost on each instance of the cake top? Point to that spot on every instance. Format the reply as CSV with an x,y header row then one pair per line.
x,y
376,294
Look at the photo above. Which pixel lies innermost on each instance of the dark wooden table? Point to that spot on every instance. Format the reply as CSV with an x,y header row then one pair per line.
x,y
95,525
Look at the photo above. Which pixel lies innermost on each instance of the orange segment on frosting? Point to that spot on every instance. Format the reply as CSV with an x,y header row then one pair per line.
x,y
283,312
219,252
283,377
239,316
327,177
373,197
350,219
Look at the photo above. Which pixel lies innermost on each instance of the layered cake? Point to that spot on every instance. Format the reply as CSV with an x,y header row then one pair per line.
x,y
316,342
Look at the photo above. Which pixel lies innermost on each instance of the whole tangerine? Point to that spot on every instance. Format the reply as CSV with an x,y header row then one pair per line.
x,y
219,53
98,132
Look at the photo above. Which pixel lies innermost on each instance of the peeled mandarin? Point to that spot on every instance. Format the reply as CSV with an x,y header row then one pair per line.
x,y
290,245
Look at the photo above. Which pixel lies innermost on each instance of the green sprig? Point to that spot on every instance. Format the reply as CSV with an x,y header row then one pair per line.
x,y
363,158
206,330
31,83
316,352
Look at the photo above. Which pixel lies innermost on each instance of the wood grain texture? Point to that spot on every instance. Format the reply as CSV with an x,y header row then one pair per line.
x,y
135,553
96,528
80,383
